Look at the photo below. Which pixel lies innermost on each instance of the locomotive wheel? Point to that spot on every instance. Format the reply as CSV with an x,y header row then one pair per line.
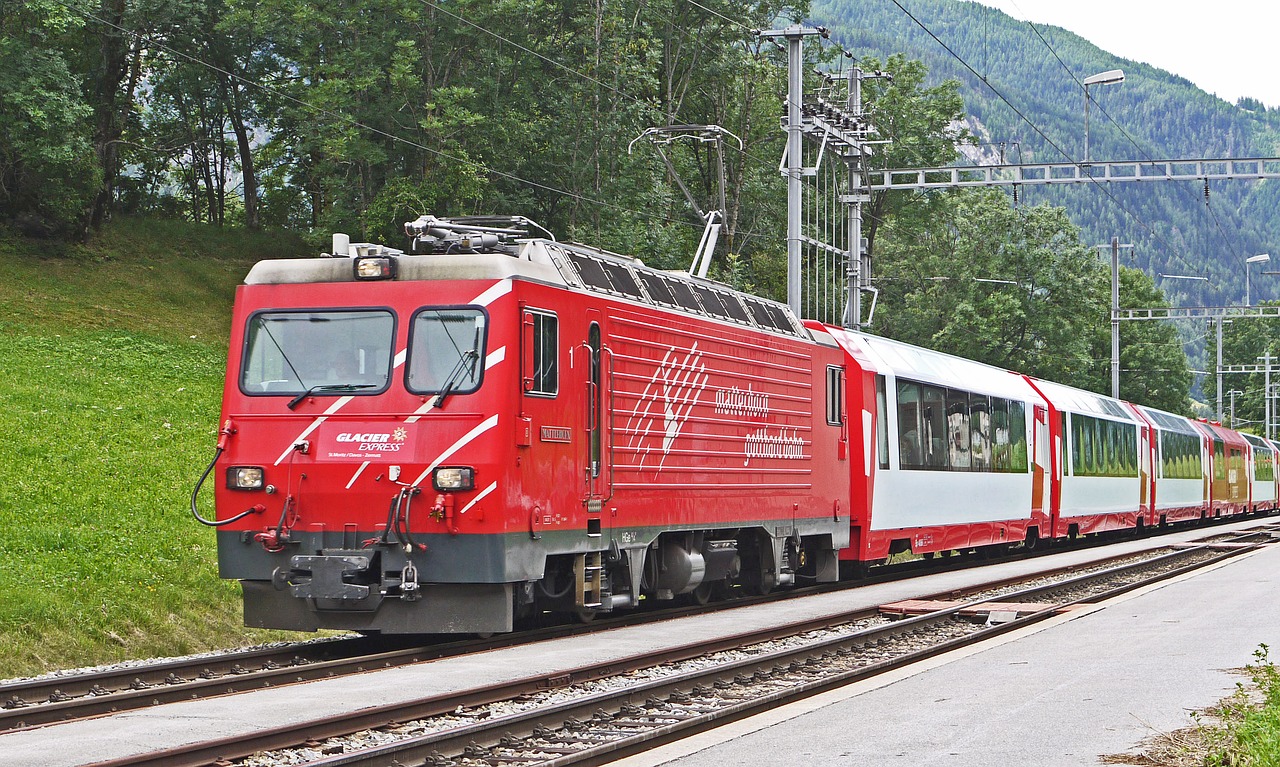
x,y
760,585
702,594
585,614
722,591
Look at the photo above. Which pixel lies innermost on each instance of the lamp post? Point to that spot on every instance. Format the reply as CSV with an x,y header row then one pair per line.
x,y
1261,258
1110,77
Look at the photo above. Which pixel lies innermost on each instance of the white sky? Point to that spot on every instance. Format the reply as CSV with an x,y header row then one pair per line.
x,y
1227,47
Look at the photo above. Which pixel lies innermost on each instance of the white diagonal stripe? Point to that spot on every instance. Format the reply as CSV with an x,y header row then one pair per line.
x,y
492,486
488,424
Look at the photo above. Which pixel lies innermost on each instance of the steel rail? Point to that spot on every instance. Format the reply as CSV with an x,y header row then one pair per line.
x,y
29,703
290,736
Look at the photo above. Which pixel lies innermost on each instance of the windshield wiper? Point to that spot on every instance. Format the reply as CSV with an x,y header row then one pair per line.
x,y
452,382
325,388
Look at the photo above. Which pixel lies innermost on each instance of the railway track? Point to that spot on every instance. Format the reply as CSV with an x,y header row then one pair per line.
x,y
78,695
590,715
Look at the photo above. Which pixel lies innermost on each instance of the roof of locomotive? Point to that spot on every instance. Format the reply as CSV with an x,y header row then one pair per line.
x,y
564,264
473,266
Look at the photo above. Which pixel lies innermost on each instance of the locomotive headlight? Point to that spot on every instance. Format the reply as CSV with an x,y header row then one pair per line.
x,y
454,478
375,268
245,478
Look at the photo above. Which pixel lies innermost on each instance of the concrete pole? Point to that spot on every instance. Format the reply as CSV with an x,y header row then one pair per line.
x,y
1086,125
1266,390
853,252
1115,315
1220,369
795,135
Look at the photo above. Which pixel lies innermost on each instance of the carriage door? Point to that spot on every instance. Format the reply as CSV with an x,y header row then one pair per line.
x,y
1144,470
598,472
1040,460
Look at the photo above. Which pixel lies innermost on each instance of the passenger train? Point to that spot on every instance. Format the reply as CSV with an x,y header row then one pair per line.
x,y
496,425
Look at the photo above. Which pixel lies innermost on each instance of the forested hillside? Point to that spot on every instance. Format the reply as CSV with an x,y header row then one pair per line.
x,y
357,116
1152,115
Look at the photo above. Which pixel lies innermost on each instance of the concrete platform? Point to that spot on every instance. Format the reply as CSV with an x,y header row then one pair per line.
x,y
1062,693
1076,686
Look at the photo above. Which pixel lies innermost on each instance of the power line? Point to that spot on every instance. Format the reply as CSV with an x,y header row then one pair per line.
x,y
1029,122
1213,214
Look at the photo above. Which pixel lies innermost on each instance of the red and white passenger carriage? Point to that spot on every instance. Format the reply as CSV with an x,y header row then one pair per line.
x,y
506,425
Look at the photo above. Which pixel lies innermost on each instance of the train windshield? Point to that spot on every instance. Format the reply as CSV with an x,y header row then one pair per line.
x,y
446,351
292,352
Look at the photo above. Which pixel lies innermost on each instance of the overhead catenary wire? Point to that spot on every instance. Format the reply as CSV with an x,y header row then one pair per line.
x,y
1213,214
1036,128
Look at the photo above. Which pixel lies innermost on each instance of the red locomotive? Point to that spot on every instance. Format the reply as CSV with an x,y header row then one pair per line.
x,y
499,425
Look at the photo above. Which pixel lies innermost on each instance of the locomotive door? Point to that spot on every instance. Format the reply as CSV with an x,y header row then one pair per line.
x,y
598,469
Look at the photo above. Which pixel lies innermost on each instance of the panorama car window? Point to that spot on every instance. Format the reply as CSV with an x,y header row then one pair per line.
x,y
446,351
290,352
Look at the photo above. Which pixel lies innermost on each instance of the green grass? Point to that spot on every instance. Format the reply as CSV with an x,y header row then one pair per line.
x,y
1251,719
111,364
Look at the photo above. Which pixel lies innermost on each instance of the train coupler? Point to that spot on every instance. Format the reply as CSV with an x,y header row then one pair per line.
x,y
273,540
409,588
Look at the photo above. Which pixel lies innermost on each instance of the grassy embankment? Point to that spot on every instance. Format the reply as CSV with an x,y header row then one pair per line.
x,y
111,363
1242,730
1251,735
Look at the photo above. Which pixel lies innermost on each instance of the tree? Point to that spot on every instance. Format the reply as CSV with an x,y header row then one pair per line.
x,y
1245,341
1153,365
47,174
923,127
1015,288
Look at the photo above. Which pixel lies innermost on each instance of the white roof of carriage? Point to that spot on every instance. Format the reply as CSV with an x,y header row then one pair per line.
x,y
927,366
1087,402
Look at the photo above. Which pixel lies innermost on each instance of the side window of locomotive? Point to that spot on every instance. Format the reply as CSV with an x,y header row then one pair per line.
x,y
835,395
291,352
446,350
540,374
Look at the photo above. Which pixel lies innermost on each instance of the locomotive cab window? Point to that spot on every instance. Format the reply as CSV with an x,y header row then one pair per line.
x,y
446,351
540,374
292,352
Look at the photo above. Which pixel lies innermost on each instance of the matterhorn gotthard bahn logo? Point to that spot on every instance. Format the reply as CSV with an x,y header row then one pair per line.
x,y
680,381
366,441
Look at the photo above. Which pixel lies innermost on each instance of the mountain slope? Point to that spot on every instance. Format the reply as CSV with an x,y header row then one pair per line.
x,y
1152,115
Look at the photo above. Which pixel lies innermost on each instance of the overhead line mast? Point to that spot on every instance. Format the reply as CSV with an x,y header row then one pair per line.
x,y
845,131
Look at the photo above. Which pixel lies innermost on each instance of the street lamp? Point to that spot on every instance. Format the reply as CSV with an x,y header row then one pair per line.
x,y
1248,298
1110,77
